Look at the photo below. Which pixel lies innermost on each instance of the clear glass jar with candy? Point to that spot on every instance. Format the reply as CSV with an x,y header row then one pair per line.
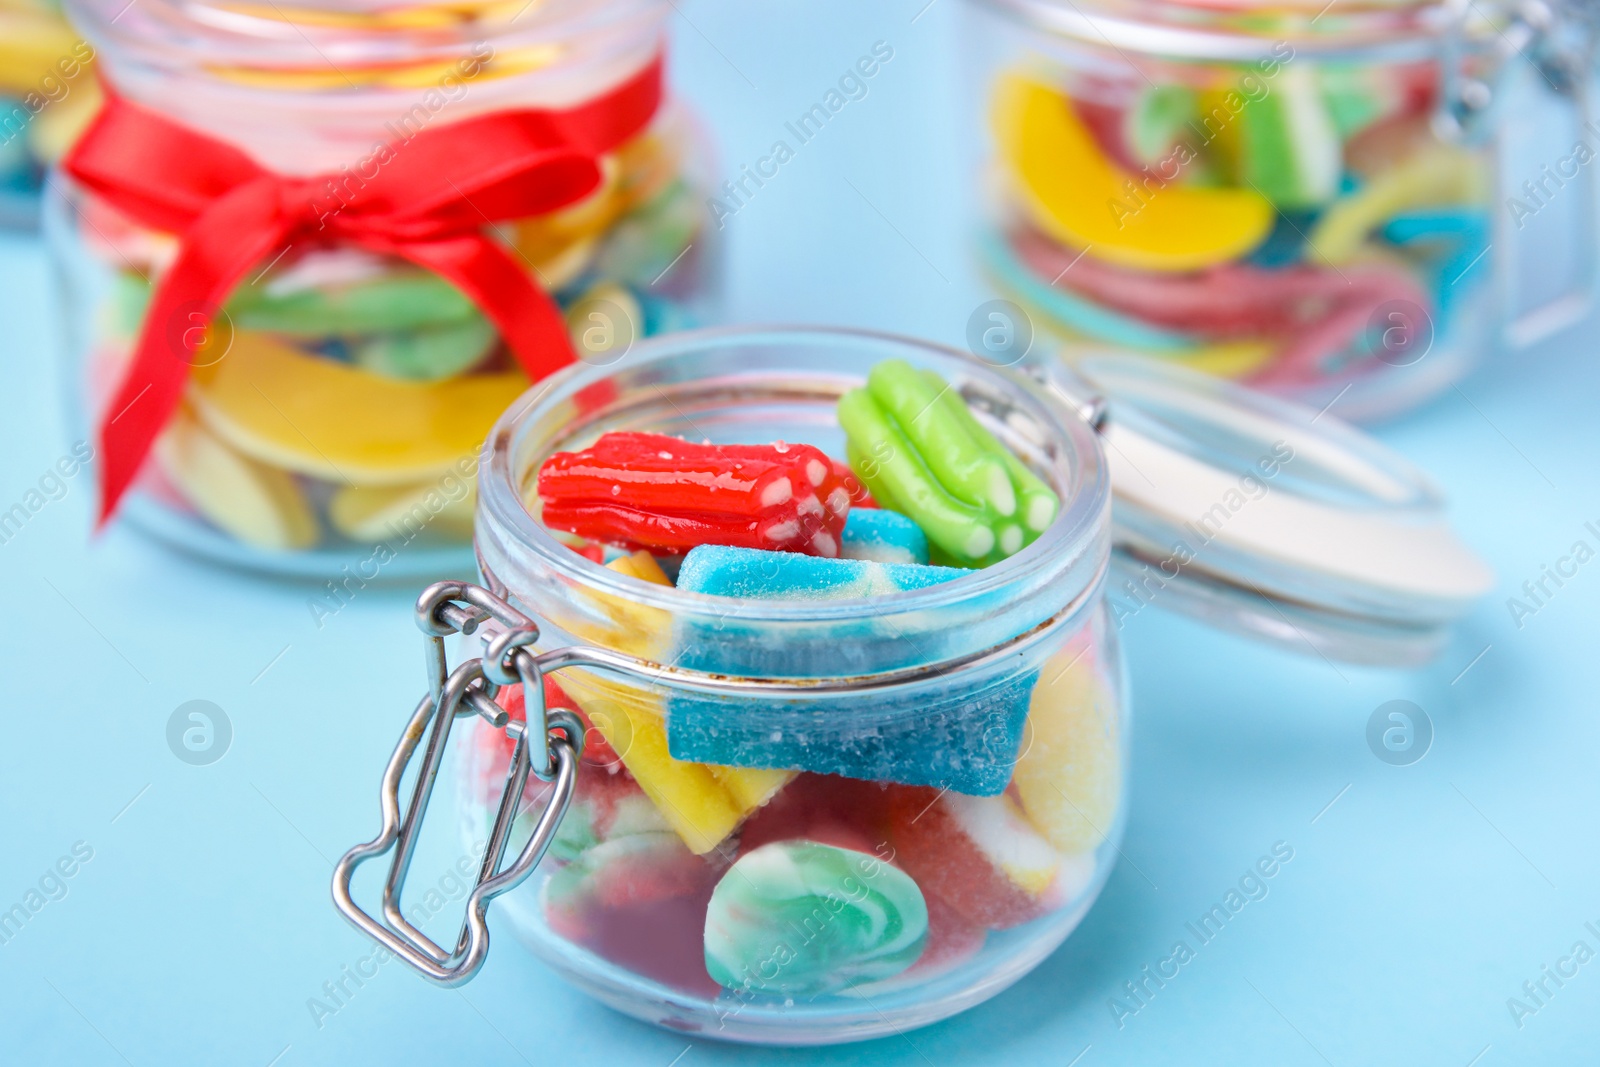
x,y
1299,195
798,710
311,252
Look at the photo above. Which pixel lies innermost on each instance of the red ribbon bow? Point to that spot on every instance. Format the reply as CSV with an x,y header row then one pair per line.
x,y
429,201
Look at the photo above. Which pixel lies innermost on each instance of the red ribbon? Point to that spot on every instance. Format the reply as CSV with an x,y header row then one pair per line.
x,y
428,202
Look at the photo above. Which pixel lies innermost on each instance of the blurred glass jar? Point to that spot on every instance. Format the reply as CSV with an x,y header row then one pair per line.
x,y
1299,197
335,403
804,821
47,95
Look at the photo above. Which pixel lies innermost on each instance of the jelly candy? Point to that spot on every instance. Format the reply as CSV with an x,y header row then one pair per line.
x,y
1289,149
1432,177
718,570
1158,120
978,854
703,804
1080,198
258,504
605,319
962,736
378,512
668,495
910,739
427,354
303,302
845,812
922,453
640,901
883,536
317,417
952,940
801,918
1012,269
1069,775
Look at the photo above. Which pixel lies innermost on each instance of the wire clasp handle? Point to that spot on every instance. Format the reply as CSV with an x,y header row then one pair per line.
x,y
548,745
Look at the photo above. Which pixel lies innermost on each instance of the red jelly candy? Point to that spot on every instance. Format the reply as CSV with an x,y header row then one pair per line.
x,y
597,751
978,854
663,494
843,812
952,939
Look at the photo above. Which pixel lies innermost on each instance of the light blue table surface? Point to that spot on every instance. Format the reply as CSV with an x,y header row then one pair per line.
x,y
1418,901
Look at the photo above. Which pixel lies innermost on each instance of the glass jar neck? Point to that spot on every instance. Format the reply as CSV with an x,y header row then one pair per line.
x,y
756,385
307,90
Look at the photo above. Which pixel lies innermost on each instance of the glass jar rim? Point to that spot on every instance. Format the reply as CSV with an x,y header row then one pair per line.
x,y
1083,517
218,32
1174,30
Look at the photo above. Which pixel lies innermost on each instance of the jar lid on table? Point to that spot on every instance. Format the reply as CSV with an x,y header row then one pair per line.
x,y
1270,518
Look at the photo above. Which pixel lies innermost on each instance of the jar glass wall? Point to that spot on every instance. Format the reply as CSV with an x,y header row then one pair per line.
x,y
334,411
1263,196
791,866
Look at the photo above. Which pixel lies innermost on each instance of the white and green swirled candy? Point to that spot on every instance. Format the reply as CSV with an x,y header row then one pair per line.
x,y
800,918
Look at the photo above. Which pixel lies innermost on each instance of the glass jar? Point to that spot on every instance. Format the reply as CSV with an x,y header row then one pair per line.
x,y
812,821
1299,196
416,184
46,96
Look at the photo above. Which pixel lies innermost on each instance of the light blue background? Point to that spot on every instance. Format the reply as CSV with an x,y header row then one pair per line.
x,y
1413,908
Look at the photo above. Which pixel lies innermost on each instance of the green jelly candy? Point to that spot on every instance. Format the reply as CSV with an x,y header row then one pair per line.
x,y
1157,119
970,473
1037,503
429,354
885,458
1289,148
798,918
920,451
399,300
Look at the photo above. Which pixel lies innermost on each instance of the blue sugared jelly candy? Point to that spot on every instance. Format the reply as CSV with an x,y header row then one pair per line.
x,y
883,536
963,734
719,570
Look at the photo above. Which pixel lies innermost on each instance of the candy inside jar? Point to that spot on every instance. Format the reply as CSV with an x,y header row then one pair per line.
x,y
295,342
807,636
1261,195
47,95
785,863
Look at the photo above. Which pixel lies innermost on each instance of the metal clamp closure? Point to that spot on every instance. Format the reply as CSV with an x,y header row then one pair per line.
x,y
547,745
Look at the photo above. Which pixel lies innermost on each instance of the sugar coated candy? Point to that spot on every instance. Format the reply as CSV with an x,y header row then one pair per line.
x,y
979,854
668,495
921,452
804,919
719,570
883,536
703,804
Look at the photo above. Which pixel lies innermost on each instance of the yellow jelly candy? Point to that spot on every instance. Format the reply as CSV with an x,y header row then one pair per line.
x,y
257,504
703,803
399,17
340,423
379,512
1436,176
1069,777
1079,197
428,75
58,127
31,43
603,320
